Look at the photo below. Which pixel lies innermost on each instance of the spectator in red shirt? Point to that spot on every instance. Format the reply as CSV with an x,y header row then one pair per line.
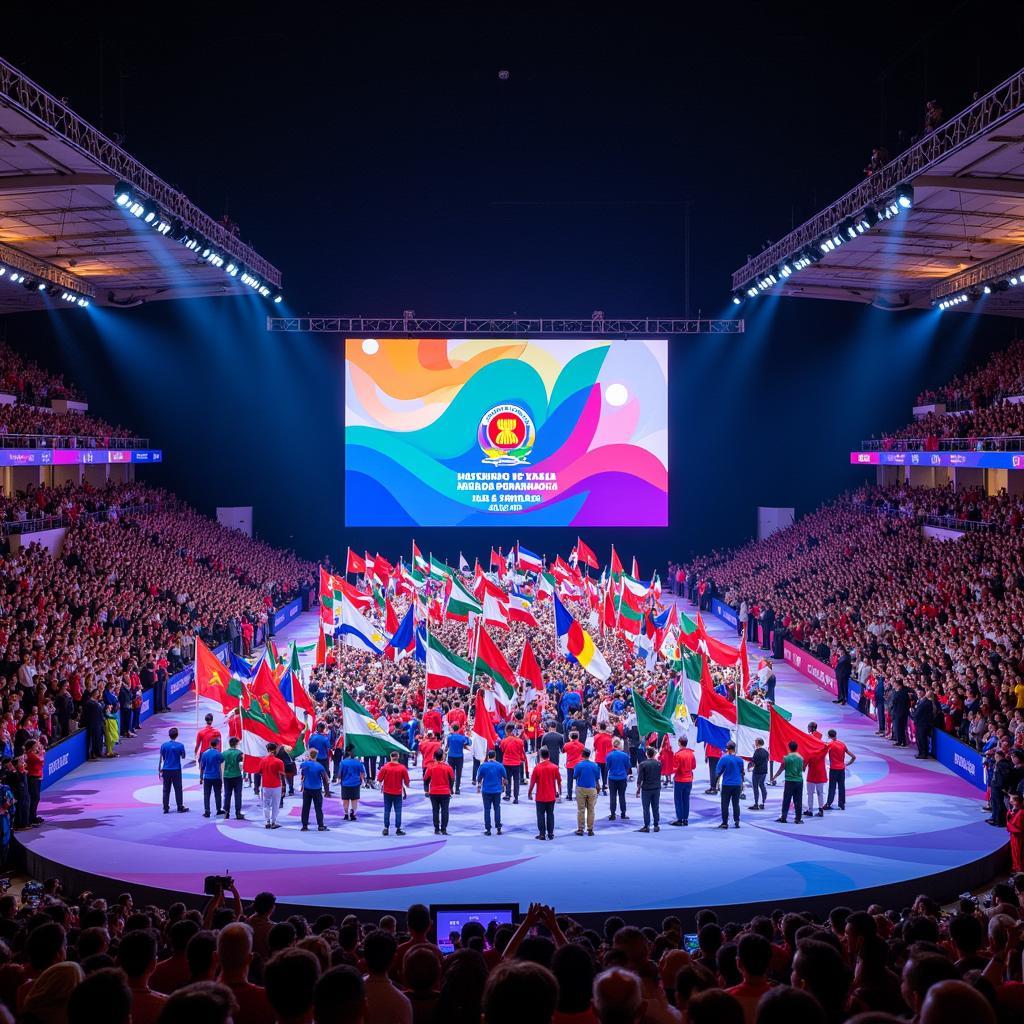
x,y
394,785
546,781
438,777
35,758
234,954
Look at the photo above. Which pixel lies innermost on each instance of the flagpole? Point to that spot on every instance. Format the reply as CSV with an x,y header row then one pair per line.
x,y
195,675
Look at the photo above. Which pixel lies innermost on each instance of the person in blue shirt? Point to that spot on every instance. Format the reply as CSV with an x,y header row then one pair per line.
x,y
570,703
618,764
314,780
211,771
172,756
618,705
730,772
353,771
320,748
490,781
457,743
587,777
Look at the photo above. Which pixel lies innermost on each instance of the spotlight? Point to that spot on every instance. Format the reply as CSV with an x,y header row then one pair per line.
x,y
135,208
751,291
279,297
850,229
122,193
987,289
41,287
84,303
1014,281
785,270
905,197
736,299
1001,285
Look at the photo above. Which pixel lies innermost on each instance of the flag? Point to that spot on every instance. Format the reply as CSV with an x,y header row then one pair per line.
x,y
780,732
649,719
644,647
633,586
420,653
241,667
463,565
258,729
529,669
527,560
357,631
546,585
575,642
264,692
321,650
520,609
752,723
212,678
496,559
627,614
744,663
483,735
461,603
390,628
446,668
419,563
678,713
716,715
438,570
585,554
353,563
402,641
635,570
356,597
616,565
490,661
362,733
494,613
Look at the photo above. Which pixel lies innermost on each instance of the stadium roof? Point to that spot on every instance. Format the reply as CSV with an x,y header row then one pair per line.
x,y
963,231
61,226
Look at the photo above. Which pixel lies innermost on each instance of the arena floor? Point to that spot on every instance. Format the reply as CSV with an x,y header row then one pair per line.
x,y
908,824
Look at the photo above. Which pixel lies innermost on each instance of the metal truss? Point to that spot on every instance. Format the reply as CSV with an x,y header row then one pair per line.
x,y
47,111
12,258
976,276
1002,103
459,327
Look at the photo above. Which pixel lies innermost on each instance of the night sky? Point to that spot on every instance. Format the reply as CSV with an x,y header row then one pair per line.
x,y
377,159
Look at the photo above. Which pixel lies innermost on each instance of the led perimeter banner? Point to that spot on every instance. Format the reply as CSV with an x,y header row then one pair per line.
x,y
447,432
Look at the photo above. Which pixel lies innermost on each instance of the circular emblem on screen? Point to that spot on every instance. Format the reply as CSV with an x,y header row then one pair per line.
x,y
506,435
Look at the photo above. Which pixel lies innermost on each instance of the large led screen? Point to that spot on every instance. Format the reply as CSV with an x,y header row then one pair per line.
x,y
448,432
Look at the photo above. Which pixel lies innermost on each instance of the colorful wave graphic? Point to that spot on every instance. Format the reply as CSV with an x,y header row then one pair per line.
x,y
414,408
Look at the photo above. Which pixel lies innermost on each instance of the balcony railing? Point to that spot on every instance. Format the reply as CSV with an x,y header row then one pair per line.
x,y
40,523
926,518
1006,443
116,441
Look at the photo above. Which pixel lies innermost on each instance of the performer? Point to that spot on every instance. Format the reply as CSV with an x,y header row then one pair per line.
x,y
817,776
427,746
685,766
490,782
573,754
315,775
758,773
648,788
439,777
394,784
619,770
793,790
587,777
233,779
456,747
204,735
320,747
546,781
172,754
211,768
840,757
602,745
730,771
513,756
353,771
271,772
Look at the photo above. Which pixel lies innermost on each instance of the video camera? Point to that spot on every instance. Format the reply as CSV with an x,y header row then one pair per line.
x,y
214,884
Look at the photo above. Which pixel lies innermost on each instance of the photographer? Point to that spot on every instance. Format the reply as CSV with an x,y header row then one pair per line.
x,y
215,886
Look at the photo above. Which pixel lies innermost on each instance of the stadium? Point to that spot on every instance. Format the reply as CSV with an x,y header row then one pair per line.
x,y
622,621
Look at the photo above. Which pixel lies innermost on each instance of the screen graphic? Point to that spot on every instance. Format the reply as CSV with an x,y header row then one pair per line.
x,y
446,432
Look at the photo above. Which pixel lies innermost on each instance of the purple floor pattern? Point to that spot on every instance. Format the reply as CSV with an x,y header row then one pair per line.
x,y
906,822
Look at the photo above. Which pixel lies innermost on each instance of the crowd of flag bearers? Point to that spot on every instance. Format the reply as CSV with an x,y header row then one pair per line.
x,y
526,736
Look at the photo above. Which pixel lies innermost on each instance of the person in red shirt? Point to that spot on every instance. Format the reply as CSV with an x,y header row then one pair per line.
x,y
513,757
432,721
667,757
204,736
439,777
573,751
1015,826
427,748
817,776
546,781
35,758
234,954
271,770
685,764
394,785
602,744
457,717
839,758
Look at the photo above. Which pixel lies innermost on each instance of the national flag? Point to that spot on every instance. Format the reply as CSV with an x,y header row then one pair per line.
x,y
357,631
382,570
363,734
463,565
390,628
439,571
575,642
528,671
420,654
357,598
635,570
213,679
446,668
353,563
520,609
634,586
546,585
627,615
616,565
461,603
496,559
585,554
649,719
490,661
321,650
752,723
483,734
644,647
241,667
744,663
419,563
264,691
678,713
495,614
258,729
527,560
781,732
716,715
403,642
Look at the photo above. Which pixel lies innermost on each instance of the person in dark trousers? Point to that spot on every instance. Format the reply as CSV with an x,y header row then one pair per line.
x,y
320,747
554,741
211,768
844,666
880,705
172,755
793,790
546,782
457,743
900,713
730,772
394,786
758,774
619,770
490,783
648,788
840,757
314,777
924,724
769,684
767,625
685,764
233,778
92,722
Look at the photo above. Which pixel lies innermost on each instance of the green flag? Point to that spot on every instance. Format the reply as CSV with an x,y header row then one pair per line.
x,y
648,719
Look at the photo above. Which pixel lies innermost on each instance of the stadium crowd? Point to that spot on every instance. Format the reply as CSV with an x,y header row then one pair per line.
x,y
71,500
60,430
29,383
1001,376
80,959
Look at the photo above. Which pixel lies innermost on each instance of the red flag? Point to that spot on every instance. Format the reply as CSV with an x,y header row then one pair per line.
x,y
744,663
321,649
483,732
782,732
616,565
585,554
391,626
353,563
529,669
265,692
496,559
212,678
636,569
